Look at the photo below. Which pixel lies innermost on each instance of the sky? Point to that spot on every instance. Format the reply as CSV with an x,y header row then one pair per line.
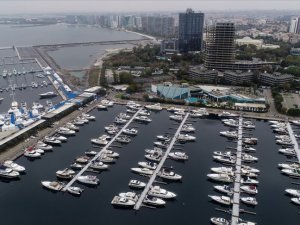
x,y
67,6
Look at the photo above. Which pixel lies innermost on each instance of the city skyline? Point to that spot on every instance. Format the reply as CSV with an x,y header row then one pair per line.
x,y
80,6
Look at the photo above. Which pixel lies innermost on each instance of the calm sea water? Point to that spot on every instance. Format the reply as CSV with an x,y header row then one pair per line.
x,y
26,202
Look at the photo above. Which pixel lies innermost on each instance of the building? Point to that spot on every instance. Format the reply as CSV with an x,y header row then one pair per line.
x,y
295,25
219,46
249,41
169,45
190,31
158,25
202,74
275,78
238,77
295,51
170,91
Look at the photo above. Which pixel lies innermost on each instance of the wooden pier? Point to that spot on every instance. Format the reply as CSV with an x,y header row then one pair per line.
x,y
159,166
237,182
294,140
100,152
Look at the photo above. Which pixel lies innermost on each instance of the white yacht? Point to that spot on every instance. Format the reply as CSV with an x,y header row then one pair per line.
x,y
250,169
249,180
59,137
123,139
161,144
106,158
49,94
223,170
249,200
82,159
122,202
168,174
32,154
196,115
91,153
289,166
295,122
159,192
14,166
43,146
144,113
154,157
145,171
65,174
178,155
248,158
144,119
101,107
188,128
124,116
293,192
150,200
154,151
163,138
228,114
110,153
229,134
296,200
291,172
287,151
75,190
98,165
119,120
176,117
88,179
136,184
220,177
51,140
88,116
249,189
129,195
8,173
53,185
149,165
179,112
107,103
65,131
76,166
225,159
224,189
185,137
224,200
219,221
131,131
99,141
155,107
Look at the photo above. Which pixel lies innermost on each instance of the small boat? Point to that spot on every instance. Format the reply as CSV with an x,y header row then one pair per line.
x,y
219,221
129,195
159,192
75,190
106,159
77,166
110,153
293,192
71,126
91,153
65,173
249,189
196,115
53,185
32,154
51,140
289,166
107,103
124,116
225,154
65,131
247,148
187,128
144,113
43,146
225,159
155,107
132,111
229,134
296,200
177,118
150,200
250,169
8,173
14,166
249,200
243,222
250,141
163,138
60,138
291,172
49,94
99,141
83,159
185,137
145,171
224,189
78,122
149,165
224,200
228,114
169,174
249,180
101,107
161,144
248,158
223,170
98,165
88,116
143,119
155,151
180,112
178,155
131,131
123,139
136,184
88,179
220,177
122,202
154,157
119,120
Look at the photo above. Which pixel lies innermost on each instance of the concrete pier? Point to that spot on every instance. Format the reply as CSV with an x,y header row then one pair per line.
x,y
237,182
159,166
99,153
294,140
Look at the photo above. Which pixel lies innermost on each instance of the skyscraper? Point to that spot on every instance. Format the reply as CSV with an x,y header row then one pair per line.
x,y
295,25
219,46
190,31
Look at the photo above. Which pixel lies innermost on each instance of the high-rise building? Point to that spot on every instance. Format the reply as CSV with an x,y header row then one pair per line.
x,y
158,25
219,46
190,31
295,25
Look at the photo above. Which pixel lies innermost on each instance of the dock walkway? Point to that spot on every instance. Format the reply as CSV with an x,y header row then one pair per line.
x,y
294,140
237,182
99,153
159,166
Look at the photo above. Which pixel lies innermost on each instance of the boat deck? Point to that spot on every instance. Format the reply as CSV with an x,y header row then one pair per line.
x,y
237,182
159,166
99,153
294,140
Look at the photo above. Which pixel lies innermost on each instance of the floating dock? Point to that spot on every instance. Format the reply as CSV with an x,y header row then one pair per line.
x,y
294,140
237,182
159,166
99,153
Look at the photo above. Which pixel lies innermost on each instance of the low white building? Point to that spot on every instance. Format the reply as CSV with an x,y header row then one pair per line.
x,y
249,41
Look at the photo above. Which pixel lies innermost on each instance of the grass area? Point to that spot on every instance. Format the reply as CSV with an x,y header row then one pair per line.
x,y
93,78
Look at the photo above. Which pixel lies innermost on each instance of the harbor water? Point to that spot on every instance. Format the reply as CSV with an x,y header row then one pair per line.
x,y
31,204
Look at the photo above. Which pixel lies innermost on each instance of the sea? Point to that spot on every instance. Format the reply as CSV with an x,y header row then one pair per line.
x,y
25,201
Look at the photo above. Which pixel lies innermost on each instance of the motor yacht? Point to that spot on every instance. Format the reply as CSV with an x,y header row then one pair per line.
x,y
249,189
296,200
291,172
53,185
149,165
143,119
145,171
76,166
168,174
223,170
131,111
65,174
43,146
161,144
188,128
123,139
287,151
196,115
98,165
250,169
107,103
136,184
179,112
224,159
131,131
110,153
163,138
249,200
249,180
289,166
219,221
227,114
293,192
178,155
150,200
101,107
88,179
144,113
159,192
250,141
225,154
99,141
155,151
122,202
78,122
91,153
185,137
224,200
49,94
75,190
88,116
220,177
295,122
65,131
106,159
248,158
32,154
224,189
154,157
51,140
124,116
229,134
8,173
155,107
14,166
129,195
176,117
60,137
247,148
243,222
119,120
82,159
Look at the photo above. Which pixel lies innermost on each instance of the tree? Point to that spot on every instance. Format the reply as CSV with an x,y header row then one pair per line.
x,y
125,78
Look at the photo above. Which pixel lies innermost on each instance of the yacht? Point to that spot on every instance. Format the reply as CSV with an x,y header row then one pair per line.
x,y
149,165
91,153
53,185
143,119
119,120
32,154
123,139
249,189
131,131
220,177
150,200
174,109
188,128
224,200
132,111
163,138
88,116
289,166
159,192
43,146
75,190
145,171
136,184
65,131
296,200
101,107
49,94
155,151
129,195
161,144
122,202
155,107
196,115
178,156
250,141
88,179
65,174
287,151
176,117
110,153
229,134
219,221
293,192
51,140
249,180
144,113
291,172
250,169
248,158
107,103
225,154
83,159
243,222
76,166
14,166
106,158
179,112
228,114
247,148
224,189
99,141
98,165
296,122
8,173
247,173
185,137
168,174
225,159
154,157
60,137
223,170
249,200
124,116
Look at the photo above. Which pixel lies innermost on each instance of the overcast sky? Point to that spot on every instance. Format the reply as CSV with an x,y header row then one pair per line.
x,y
59,6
